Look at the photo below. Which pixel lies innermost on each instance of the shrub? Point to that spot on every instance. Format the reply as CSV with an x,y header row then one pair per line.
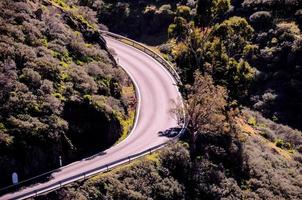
x,y
211,11
252,121
31,78
283,145
261,19
165,48
184,12
39,77
87,98
178,29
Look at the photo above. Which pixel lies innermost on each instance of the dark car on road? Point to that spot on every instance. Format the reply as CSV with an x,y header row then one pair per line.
x,y
171,132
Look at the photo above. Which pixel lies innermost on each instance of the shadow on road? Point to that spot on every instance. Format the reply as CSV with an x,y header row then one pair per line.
x,y
42,178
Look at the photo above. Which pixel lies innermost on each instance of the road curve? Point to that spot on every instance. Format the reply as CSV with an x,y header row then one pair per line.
x,y
156,88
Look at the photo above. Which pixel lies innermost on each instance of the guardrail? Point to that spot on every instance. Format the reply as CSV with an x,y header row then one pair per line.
x,y
88,173
148,51
113,164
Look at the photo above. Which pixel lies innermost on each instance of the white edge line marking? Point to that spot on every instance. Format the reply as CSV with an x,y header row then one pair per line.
x,y
159,64
138,108
138,105
137,114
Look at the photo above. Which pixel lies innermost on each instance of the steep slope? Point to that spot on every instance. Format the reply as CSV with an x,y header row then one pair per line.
x,y
61,92
225,168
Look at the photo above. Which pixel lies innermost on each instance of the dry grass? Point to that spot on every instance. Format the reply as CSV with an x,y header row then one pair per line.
x,y
249,131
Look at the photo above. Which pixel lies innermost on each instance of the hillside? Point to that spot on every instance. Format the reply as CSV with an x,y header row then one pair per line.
x,y
231,155
61,92
251,47
240,65
240,62
255,169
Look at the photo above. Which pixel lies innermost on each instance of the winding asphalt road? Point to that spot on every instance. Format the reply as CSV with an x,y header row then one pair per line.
x,y
156,88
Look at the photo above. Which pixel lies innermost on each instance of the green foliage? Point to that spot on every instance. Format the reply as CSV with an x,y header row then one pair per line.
x,y
62,4
84,21
222,168
230,42
87,98
220,7
283,145
59,96
149,19
126,123
178,29
44,42
211,11
220,52
252,121
52,63
235,30
2,127
184,12
275,118
63,56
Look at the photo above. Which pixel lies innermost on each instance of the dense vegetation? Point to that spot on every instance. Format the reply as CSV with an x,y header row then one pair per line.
x,y
220,162
61,92
144,20
230,55
251,47
176,175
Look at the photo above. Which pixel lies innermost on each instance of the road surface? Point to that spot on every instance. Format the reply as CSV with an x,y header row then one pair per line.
x,y
156,88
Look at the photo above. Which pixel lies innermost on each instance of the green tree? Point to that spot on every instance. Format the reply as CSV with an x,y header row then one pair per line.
x,y
184,11
179,29
209,11
235,33
189,53
226,52
221,52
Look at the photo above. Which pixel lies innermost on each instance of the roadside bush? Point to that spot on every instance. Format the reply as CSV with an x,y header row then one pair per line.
x,y
165,48
283,145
